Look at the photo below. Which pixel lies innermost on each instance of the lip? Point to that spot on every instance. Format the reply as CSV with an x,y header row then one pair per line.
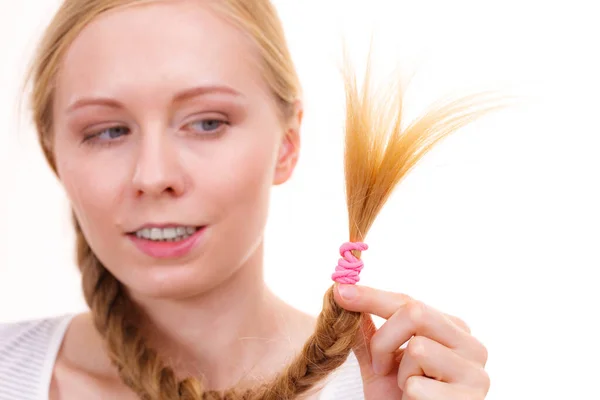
x,y
164,250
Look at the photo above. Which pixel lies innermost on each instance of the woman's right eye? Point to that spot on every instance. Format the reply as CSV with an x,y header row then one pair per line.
x,y
107,135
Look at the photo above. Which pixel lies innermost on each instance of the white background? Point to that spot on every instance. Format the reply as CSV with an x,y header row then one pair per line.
x,y
498,225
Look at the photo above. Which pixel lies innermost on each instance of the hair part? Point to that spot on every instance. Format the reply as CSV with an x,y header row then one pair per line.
x,y
377,156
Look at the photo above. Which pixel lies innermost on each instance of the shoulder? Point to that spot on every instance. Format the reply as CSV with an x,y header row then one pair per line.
x,y
27,353
345,383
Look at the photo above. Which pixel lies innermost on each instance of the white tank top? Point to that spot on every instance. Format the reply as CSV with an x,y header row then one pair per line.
x,y
28,352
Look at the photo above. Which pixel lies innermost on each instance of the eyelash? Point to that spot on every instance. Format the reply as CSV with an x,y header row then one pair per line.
x,y
92,138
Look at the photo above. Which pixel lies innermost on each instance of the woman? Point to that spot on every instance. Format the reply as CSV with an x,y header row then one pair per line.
x,y
167,122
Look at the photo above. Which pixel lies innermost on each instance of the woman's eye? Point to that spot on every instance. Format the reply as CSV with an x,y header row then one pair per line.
x,y
108,134
207,125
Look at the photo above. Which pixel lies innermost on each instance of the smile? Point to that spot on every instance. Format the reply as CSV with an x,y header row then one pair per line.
x,y
171,242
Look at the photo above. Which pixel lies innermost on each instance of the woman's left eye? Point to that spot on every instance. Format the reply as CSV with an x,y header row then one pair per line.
x,y
207,125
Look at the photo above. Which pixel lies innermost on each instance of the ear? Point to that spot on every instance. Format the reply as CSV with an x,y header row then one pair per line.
x,y
289,149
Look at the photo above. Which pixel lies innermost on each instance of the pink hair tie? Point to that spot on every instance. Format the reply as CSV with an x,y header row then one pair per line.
x,y
349,266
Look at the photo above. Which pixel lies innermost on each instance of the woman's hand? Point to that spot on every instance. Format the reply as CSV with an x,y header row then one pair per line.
x,y
441,360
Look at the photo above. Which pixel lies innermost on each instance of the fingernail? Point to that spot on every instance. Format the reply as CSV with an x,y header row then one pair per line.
x,y
348,292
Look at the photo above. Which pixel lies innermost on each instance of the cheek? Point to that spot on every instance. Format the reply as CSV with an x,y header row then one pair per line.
x,y
92,191
240,186
248,177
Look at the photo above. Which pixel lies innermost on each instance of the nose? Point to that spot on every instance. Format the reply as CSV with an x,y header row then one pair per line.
x,y
158,169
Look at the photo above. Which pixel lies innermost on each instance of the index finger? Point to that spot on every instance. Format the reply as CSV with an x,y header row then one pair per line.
x,y
381,303
366,299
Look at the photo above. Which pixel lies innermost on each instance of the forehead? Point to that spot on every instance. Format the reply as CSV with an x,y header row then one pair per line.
x,y
155,48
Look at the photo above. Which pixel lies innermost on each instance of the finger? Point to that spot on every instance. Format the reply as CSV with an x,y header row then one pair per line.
x,y
399,306
424,357
379,302
377,386
417,319
459,322
365,299
362,349
421,388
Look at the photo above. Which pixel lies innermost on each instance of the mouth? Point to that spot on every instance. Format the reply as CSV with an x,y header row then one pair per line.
x,y
166,234
168,242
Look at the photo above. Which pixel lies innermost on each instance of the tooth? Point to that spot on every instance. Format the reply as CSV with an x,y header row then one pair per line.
x,y
190,230
146,233
181,231
156,234
169,233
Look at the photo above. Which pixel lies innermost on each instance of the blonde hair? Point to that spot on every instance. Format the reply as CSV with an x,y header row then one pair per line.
x,y
378,155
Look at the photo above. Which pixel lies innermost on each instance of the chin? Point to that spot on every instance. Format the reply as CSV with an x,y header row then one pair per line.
x,y
173,282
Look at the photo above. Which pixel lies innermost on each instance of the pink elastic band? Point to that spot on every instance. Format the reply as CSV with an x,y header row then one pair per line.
x,y
349,266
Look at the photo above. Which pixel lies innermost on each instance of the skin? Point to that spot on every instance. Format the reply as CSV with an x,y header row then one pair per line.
x,y
209,158
419,353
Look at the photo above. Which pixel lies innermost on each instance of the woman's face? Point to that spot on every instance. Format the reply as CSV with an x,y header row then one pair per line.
x,y
163,125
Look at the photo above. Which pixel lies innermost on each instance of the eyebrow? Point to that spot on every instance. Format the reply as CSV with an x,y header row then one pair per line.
x,y
178,98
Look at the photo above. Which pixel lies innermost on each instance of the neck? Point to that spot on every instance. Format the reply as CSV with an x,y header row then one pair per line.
x,y
235,330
